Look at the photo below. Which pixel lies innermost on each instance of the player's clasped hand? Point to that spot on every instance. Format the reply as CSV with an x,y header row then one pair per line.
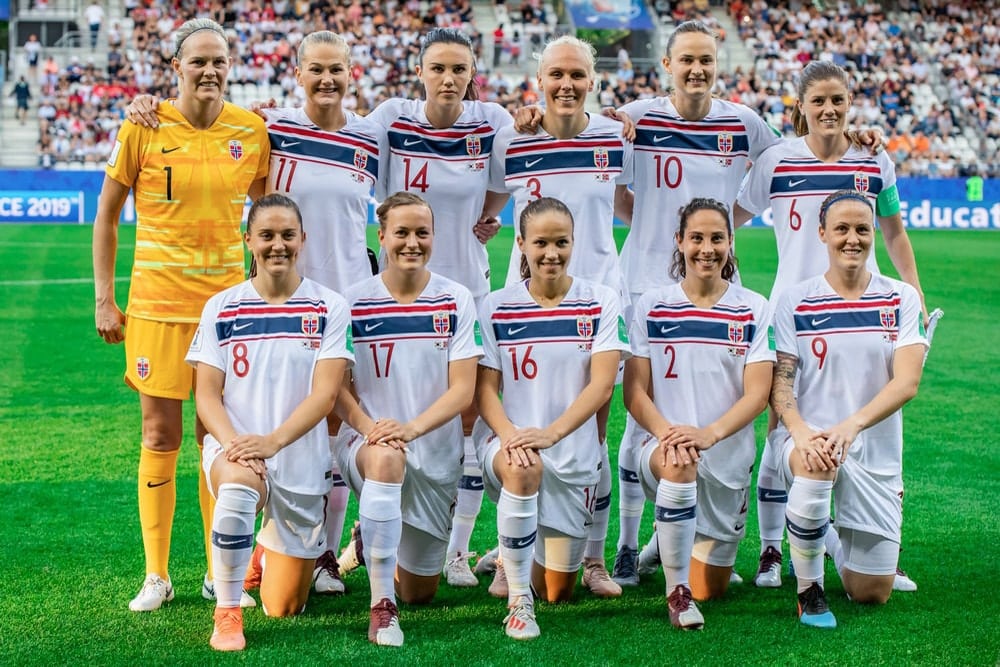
x,y
485,229
678,455
391,433
110,321
520,449
815,451
251,446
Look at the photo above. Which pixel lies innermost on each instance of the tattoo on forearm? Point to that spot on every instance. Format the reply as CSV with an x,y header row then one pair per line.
x,y
783,387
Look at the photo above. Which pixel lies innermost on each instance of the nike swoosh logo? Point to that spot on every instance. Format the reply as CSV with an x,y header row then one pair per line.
x,y
228,543
511,330
153,486
816,322
407,142
664,137
666,330
673,516
372,327
166,150
528,164
240,327
771,496
793,183
286,144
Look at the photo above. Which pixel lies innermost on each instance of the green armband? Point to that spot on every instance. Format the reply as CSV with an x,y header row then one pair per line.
x,y
887,202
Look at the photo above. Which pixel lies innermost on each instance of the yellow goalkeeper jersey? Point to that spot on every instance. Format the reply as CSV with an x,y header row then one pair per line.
x,y
190,187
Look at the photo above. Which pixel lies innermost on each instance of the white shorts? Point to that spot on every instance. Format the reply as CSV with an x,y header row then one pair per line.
x,y
421,553
565,508
866,553
559,552
862,500
425,504
291,523
721,516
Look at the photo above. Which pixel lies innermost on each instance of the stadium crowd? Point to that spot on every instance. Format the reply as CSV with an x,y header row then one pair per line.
x,y
928,75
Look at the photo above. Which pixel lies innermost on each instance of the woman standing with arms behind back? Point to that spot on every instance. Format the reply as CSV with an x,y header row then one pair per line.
x,y
191,178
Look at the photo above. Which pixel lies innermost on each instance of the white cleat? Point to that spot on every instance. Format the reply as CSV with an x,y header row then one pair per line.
x,y
208,592
458,573
154,592
903,583
520,622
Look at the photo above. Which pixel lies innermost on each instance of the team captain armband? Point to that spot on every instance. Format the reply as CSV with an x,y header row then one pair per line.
x,y
887,202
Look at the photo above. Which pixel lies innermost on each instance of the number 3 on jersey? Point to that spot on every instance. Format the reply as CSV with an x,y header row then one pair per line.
x,y
415,180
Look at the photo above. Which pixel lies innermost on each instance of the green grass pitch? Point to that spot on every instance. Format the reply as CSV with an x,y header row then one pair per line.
x,y
70,554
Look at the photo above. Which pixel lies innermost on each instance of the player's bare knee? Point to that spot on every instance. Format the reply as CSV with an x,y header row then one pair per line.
x,y
384,464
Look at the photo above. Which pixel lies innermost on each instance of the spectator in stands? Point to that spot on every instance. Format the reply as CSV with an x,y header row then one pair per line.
x,y
22,93
32,51
94,14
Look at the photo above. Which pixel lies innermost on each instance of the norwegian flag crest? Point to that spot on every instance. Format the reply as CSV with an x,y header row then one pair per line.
x,y
585,326
473,146
861,182
310,324
725,142
360,158
735,332
142,368
601,158
236,149
887,316
442,323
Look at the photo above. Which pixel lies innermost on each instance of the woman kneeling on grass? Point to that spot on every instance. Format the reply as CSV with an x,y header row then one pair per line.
x,y
700,374
270,355
850,348
415,374
551,344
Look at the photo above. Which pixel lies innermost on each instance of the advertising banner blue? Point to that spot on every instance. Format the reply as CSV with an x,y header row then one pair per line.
x,y
42,206
610,14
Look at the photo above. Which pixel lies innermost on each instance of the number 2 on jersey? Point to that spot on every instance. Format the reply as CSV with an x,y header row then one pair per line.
x,y
419,180
671,354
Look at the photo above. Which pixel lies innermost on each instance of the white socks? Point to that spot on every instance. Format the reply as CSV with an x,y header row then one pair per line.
x,y
807,517
381,531
232,540
631,499
470,499
598,531
676,506
517,524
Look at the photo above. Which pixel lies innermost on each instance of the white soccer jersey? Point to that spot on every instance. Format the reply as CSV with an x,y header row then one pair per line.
x,y
331,176
677,160
403,351
450,169
793,182
697,358
845,352
544,357
583,173
269,352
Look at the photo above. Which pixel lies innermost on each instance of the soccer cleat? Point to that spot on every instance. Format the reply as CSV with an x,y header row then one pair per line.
x,y
326,575
255,570
903,583
769,571
498,587
813,609
625,571
352,556
488,563
154,592
458,573
597,579
735,579
227,635
649,558
208,592
383,628
520,621
684,613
